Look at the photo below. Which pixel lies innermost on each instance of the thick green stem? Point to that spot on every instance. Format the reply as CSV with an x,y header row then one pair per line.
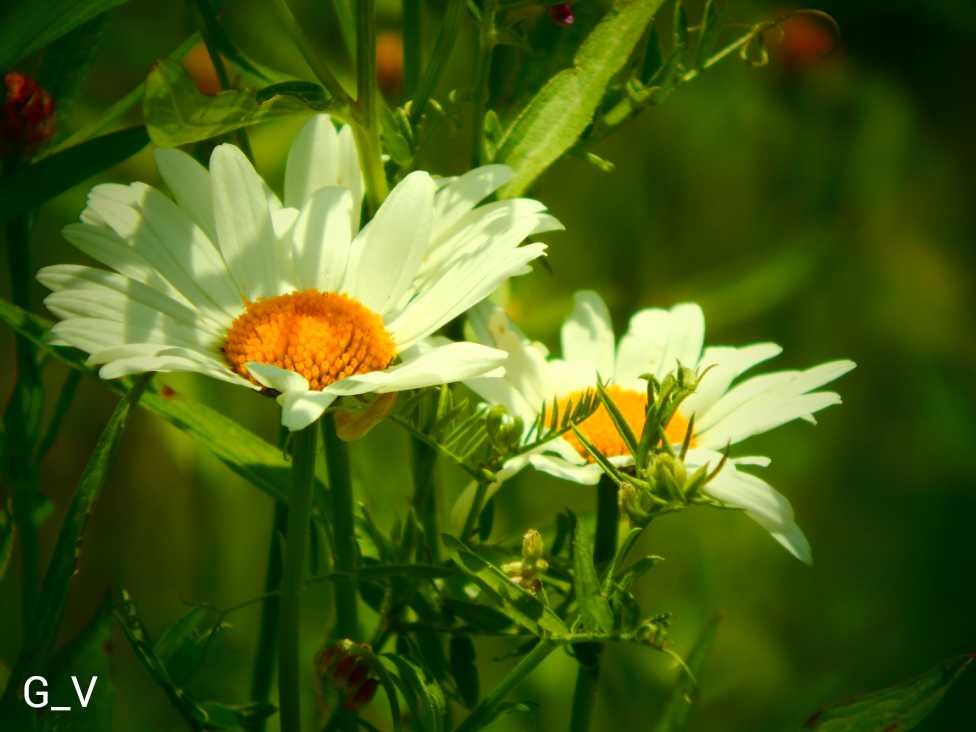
x,y
443,46
488,707
486,47
425,494
367,131
344,530
588,654
262,676
296,547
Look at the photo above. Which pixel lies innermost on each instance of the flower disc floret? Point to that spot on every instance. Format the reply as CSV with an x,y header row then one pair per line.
x,y
324,336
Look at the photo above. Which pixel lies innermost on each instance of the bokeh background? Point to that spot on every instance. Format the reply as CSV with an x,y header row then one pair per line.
x,y
824,202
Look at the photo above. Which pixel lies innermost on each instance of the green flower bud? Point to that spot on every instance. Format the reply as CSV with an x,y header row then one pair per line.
x,y
532,546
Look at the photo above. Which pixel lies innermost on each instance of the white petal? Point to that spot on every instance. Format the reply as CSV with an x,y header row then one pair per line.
x,y
189,182
442,365
313,161
587,474
83,332
754,495
245,233
792,538
322,236
276,378
462,194
387,252
721,365
350,173
300,408
587,335
644,345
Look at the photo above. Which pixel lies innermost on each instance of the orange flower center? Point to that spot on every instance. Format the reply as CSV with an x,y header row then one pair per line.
x,y
324,336
600,431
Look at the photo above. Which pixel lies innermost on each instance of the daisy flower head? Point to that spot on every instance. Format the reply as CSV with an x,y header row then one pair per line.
x,y
292,297
722,411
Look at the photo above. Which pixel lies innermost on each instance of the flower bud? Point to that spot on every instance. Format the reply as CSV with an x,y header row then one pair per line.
x,y
361,696
28,117
532,546
633,506
562,14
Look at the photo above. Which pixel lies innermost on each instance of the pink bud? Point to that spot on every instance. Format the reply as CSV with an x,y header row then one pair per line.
x,y
561,14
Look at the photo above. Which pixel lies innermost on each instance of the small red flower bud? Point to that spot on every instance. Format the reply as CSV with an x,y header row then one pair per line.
x,y
27,121
362,696
359,674
562,14
342,670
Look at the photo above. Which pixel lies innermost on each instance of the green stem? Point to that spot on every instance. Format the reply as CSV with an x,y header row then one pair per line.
x,y
311,55
588,654
412,40
210,32
443,47
296,547
424,461
486,47
488,707
343,527
477,504
366,130
262,675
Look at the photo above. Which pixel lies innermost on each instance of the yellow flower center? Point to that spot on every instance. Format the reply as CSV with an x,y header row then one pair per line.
x,y
324,336
600,431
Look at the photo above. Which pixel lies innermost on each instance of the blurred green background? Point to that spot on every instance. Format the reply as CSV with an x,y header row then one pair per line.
x,y
823,203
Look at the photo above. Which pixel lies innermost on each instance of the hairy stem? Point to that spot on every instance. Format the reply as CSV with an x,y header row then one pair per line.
x,y
296,547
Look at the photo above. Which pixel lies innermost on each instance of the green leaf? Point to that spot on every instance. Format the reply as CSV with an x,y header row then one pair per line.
x,y
31,185
310,94
424,696
557,116
897,708
710,28
29,25
241,450
42,633
464,669
594,607
677,712
182,646
498,591
67,62
679,38
6,540
177,113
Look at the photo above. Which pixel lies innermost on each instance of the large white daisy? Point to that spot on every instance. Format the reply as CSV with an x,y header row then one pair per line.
x,y
227,280
657,342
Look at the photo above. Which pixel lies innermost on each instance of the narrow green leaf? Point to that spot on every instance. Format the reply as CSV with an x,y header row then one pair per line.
x,y
594,608
29,25
464,669
182,645
499,592
42,634
902,707
31,185
422,692
177,113
241,450
66,64
679,37
619,422
678,711
6,540
309,93
557,116
708,37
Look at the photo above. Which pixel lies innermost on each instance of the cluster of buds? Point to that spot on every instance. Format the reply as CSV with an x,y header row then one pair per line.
x,y
27,121
665,481
527,571
504,429
347,667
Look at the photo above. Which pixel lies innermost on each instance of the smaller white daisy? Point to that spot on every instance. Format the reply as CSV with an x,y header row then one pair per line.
x,y
228,281
656,342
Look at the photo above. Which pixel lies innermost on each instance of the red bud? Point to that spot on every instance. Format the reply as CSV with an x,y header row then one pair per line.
x,y
362,696
27,121
561,14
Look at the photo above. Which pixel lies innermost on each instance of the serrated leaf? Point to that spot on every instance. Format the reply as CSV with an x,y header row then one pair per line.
x,y
499,592
558,115
594,607
678,711
28,26
423,694
31,185
464,670
177,113
898,708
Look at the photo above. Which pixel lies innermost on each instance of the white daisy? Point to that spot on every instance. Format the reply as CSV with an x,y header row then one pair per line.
x,y
656,342
230,282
